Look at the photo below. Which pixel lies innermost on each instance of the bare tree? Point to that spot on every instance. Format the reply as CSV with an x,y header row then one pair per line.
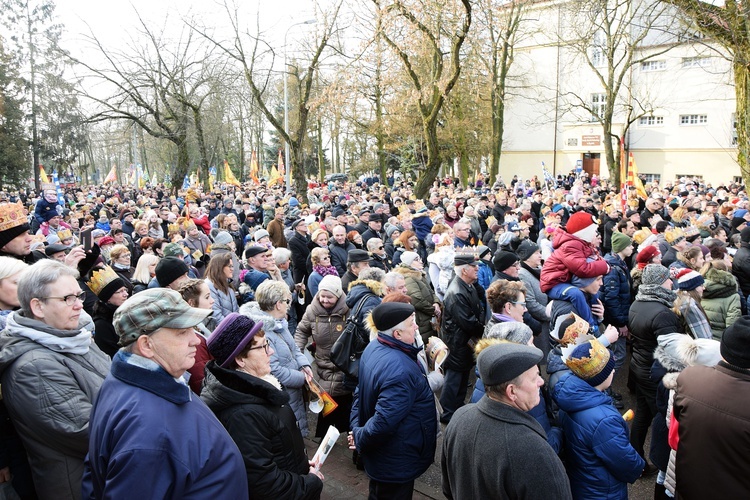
x,y
427,37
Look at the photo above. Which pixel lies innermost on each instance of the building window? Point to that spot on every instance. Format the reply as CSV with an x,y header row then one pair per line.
x,y
573,141
653,65
650,177
693,119
598,102
691,36
696,62
651,121
598,46
737,179
734,129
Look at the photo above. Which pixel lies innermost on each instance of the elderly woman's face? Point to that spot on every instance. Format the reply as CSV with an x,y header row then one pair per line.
x,y
257,361
54,310
327,299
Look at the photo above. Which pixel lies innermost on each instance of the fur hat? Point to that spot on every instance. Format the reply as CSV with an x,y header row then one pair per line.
x,y
690,351
589,360
231,337
582,225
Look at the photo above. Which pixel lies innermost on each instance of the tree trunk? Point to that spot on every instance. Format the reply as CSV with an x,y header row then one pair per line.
x,y
201,148
432,167
741,91
321,157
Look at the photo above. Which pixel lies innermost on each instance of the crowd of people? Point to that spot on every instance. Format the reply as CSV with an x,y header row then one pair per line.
x,y
175,346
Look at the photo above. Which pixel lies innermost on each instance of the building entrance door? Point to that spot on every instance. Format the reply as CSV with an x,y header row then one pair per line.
x,y
591,163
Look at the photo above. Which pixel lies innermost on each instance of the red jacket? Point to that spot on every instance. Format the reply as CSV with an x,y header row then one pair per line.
x,y
571,257
203,223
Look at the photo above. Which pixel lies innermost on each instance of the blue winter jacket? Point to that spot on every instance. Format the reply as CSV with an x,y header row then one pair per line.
x,y
599,458
393,415
151,437
615,294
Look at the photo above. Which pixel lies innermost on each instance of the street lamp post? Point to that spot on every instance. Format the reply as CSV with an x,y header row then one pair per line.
x,y
288,165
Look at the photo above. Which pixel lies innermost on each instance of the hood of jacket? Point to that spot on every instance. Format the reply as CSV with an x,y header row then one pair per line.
x,y
252,311
670,362
357,290
563,237
405,271
574,394
719,284
224,388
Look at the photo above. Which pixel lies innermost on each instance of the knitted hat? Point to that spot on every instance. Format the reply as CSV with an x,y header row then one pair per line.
x,y
645,255
503,260
503,362
169,269
690,351
590,361
389,230
745,235
151,309
482,251
331,284
582,225
223,238
389,314
526,249
260,233
104,283
735,343
231,337
655,274
687,279
674,235
620,242
408,258
172,250
13,222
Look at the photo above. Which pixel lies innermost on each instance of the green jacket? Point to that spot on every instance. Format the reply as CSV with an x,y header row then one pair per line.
x,y
422,298
720,301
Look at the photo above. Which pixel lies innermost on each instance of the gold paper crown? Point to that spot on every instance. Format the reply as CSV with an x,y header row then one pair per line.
x,y
591,366
173,228
673,235
11,215
579,328
641,235
691,231
101,278
65,234
48,185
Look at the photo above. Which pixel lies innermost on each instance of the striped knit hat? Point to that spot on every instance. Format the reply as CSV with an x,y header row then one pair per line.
x,y
687,279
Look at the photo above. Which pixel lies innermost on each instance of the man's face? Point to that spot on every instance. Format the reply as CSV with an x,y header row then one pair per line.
x,y
470,274
20,245
375,224
302,228
174,349
358,267
525,394
54,222
365,217
258,262
462,231
59,256
342,219
129,218
593,287
176,284
400,286
339,234
513,270
115,224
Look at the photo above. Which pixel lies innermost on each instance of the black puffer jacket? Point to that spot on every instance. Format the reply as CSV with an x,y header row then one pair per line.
x,y
261,423
647,321
465,310
741,267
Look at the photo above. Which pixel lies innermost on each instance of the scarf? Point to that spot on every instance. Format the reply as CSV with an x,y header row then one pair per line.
x,y
536,272
121,267
325,271
409,350
65,341
656,293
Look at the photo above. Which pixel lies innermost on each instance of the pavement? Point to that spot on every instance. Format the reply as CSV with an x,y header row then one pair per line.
x,y
344,481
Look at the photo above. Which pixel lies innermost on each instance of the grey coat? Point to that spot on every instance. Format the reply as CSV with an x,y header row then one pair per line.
x,y
224,303
536,300
49,395
492,450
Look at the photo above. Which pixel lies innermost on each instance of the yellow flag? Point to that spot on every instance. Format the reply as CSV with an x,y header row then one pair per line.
x,y
275,177
282,169
111,176
229,177
43,175
254,168
633,178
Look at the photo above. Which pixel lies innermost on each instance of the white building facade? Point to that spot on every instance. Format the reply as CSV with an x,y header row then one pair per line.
x,y
681,96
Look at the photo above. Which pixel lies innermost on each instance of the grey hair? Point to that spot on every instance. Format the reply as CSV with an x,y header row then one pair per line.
x,y
372,273
10,267
512,331
400,326
36,280
372,243
269,293
281,255
460,269
389,280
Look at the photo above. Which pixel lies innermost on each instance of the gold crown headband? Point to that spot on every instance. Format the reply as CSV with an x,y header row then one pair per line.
x,y
100,279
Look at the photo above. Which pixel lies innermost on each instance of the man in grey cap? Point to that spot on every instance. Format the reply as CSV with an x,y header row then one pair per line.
x,y
494,448
149,437
357,261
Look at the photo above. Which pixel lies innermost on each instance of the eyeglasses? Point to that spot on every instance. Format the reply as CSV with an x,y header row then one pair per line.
x,y
522,304
380,248
262,346
287,301
68,299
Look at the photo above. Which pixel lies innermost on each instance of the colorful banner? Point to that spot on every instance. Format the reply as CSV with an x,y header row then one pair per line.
x,y
112,175
275,177
633,179
43,175
254,169
229,177
281,169
211,177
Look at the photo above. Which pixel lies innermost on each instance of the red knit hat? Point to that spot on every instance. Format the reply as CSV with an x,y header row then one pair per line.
x,y
578,224
645,256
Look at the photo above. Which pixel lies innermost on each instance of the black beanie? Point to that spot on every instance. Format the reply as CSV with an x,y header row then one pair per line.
x,y
108,291
503,260
169,269
11,233
735,343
